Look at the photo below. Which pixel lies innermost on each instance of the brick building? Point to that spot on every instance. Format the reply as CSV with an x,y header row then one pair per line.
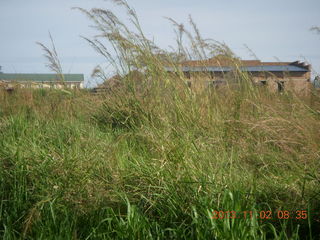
x,y
276,76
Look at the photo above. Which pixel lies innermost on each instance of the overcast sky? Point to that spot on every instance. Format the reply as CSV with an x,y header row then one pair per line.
x,y
273,29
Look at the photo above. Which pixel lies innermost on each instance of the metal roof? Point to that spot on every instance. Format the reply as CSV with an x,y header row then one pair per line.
x,y
40,77
276,68
262,68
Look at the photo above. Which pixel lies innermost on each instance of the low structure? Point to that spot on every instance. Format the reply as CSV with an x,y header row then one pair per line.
x,y
108,84
277,76
73,81
116,82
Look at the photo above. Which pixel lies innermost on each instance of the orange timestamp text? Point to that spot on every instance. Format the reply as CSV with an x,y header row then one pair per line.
x,y
280,214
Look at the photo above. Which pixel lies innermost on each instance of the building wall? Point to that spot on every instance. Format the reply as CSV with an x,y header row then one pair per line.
x,y
36,85
298,82
277,81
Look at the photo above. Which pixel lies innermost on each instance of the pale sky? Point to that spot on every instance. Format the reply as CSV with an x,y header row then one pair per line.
x,y
274,29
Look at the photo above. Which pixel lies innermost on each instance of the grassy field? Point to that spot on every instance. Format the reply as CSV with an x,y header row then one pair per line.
x,y
153,159
79,166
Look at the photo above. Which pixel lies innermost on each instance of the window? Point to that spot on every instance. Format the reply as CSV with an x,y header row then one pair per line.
x,y
187,74
211,75
263,83
216,83
280,86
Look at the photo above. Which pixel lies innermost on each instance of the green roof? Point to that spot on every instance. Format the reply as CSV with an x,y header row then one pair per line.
x,y
40,77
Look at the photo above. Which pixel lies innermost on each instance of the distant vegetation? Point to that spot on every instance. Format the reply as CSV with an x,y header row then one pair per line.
x,y
152,159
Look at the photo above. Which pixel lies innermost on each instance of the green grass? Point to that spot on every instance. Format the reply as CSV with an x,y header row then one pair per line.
x,y
66,174
152,159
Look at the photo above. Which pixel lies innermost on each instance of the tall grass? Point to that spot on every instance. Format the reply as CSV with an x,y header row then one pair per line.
x,y
53,59
153,159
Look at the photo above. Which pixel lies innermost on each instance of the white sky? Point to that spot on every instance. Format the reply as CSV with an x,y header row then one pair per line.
x,y
273,30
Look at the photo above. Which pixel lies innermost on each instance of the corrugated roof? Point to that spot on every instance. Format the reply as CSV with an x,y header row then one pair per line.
x,y
261,68
274,68
40,77
224,63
